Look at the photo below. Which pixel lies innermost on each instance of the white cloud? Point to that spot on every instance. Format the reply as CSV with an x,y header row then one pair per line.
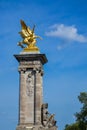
x,y
66,32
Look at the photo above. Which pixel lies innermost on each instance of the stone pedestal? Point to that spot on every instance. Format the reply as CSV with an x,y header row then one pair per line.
x,y
36,127
33,113
31,89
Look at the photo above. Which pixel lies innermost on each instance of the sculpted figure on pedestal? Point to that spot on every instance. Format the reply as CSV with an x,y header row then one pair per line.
x,y
28,35
47,118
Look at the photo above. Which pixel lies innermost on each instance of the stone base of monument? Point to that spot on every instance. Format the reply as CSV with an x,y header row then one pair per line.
x,y
35,127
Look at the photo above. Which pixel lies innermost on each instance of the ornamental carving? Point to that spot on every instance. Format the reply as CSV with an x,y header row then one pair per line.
x,y
29,84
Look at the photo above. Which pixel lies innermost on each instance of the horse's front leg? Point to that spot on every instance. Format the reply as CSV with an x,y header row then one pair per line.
x,y
21,44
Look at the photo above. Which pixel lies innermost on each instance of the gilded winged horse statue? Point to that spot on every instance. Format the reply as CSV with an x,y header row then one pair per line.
x,y
28,35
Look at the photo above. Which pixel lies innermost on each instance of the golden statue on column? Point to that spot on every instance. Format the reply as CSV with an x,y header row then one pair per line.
x,y
29,38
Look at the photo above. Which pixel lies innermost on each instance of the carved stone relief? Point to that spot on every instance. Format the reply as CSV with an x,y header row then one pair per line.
x,y
29,83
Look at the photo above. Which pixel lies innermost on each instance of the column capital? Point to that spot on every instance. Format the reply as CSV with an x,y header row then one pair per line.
x,y
38,70
31,57
21,70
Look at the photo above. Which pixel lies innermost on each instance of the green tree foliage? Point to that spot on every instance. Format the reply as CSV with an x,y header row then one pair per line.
x,y
74,126
81,117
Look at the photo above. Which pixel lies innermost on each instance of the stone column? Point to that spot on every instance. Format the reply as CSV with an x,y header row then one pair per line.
x,y
22,97
39,94
31,89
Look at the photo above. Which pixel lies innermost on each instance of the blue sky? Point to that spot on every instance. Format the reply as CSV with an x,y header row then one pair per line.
x,y
63,26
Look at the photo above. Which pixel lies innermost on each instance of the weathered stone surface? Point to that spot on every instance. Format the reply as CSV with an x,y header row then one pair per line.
x,y
31,92
35,127
32,57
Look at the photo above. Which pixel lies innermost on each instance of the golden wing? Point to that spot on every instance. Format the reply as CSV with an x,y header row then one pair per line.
x,y
23,25
25,30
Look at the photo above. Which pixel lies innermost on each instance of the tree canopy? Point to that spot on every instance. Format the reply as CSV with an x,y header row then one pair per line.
x,y
81,117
